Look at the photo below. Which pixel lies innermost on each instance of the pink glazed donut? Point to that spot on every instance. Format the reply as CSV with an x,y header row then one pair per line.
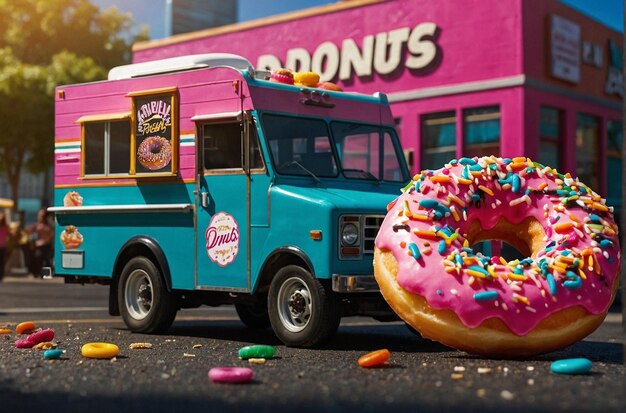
x,y
487,305
231,374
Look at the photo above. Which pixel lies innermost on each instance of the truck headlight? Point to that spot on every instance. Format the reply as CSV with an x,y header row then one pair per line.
x,y
349,234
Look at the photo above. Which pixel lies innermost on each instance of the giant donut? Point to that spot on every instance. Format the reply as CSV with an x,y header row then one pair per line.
x,y
154,153
556,296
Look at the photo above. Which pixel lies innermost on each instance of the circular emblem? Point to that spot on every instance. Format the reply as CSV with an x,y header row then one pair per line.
x,y
222,239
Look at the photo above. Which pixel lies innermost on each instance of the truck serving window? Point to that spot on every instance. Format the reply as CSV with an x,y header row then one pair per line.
x,y
139,143
106,147
300,146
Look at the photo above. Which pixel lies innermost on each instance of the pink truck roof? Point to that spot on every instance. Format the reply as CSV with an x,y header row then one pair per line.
x,y
208,87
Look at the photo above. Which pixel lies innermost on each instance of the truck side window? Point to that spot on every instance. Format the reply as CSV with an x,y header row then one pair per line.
x,y
106,147
222,146
256,161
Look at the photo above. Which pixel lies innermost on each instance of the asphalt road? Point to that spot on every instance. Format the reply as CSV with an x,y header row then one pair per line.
x,y
172,376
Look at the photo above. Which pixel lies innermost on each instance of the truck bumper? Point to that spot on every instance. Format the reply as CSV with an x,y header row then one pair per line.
x,y
354,283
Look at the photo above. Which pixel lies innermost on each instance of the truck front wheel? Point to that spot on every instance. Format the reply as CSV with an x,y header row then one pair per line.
x,y
303,312
145,304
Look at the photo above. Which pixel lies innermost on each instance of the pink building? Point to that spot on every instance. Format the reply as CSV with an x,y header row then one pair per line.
x,y
465,77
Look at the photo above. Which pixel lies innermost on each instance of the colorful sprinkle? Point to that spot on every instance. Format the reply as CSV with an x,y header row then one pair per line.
x,y
551,284
441,248
415,251
486,295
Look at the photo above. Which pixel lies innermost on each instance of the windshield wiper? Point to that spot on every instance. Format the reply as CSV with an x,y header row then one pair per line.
x,y
365,174
298,164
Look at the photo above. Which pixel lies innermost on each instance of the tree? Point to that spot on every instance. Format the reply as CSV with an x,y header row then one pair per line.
x,y
24,114
35,30
44,44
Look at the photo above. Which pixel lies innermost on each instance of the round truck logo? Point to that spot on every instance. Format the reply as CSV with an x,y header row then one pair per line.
x,y
222,239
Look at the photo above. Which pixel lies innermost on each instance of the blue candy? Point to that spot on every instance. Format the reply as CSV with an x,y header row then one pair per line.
x,y
52,354
571,366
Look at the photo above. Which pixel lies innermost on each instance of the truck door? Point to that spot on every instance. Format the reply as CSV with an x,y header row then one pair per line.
x,y
223,218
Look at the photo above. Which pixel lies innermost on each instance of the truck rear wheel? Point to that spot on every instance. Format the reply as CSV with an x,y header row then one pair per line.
x,y
303,312
145,304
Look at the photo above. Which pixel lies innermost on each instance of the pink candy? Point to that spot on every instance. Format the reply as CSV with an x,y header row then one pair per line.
x,y
231,374
41,336
24,343
35,338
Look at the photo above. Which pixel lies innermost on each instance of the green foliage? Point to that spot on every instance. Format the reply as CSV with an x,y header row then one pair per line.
x,y
45,43
38,29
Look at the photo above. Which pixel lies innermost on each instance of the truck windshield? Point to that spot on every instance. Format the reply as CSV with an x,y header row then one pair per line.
x,y
301,146
367,152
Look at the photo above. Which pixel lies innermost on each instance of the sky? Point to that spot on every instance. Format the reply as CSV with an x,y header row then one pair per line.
x,y
608,12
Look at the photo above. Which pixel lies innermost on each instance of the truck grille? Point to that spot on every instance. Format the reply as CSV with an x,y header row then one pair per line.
x,y
371,224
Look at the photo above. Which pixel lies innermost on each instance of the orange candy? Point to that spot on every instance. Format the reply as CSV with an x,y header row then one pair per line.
x,y
25,327
5,331
375,358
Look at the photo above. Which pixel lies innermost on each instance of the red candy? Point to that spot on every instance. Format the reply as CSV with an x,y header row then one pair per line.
x,y
41,336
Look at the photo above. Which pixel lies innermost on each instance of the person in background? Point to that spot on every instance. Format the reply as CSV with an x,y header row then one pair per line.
x,y
43,233
4,239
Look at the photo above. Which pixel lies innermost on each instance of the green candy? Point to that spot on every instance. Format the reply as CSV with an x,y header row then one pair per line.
x,y
257,351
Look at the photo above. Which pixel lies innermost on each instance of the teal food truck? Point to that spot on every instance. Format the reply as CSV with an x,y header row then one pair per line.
x,y
196,180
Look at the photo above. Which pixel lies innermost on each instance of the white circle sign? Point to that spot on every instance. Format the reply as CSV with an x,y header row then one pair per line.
x,y
222,239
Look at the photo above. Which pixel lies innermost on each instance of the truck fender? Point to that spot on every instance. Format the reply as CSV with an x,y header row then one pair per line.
x,y
141,245
280,257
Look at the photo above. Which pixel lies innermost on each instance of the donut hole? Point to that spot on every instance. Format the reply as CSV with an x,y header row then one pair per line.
x,y
156,147
525,237
498,248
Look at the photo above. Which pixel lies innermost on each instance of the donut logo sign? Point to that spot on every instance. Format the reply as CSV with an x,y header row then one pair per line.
x,y
222,239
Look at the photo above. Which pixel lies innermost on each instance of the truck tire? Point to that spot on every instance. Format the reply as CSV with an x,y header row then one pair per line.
x,y
145,304
303,312
254,315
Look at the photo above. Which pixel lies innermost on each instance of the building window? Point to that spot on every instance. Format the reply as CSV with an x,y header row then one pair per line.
x,y
106,147
481,131
587,138
615,137
550,137
438,139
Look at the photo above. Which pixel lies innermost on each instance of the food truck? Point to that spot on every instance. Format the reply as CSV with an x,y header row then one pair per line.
x,y
196,180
